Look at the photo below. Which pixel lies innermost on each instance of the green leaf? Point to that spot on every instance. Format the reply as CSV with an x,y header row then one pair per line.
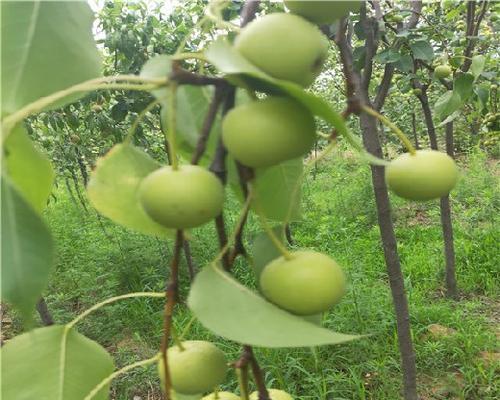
x,y
405,63
192,106
32,366
46,46
264,250
28,169
483,95
158,67
449,119
276,190
27,251
242,73
477,65
447,104
463,85
113,186
422,50
387,56
180,396
241,315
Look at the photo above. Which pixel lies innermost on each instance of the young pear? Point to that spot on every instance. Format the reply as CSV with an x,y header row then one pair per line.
x,y
442,71
196,368
284,46
322,12
184,198
221,396
266,132
427,175
308,283
274,394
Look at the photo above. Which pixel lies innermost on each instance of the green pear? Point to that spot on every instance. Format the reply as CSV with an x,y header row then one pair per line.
x,y
221,396
442,71
274,394
196,368
322,12
308,283
184,198
284,46
266,132
427,175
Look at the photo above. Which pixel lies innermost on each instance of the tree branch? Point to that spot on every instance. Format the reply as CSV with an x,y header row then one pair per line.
x,y
389,69
249,10
184,77
171,294
218,97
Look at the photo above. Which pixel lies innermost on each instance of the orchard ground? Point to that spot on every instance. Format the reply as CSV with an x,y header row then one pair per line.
x,y
456,342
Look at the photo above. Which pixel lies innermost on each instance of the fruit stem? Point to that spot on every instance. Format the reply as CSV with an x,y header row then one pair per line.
x,y
137,121
108,82
112,300
267,228
298,183
242,374
119,372
392,126
241,221
170,136
186,329
189,56
177,339
171,295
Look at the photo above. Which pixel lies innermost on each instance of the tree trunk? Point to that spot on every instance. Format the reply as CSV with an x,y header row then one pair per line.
x,y
431,131
447,226
44,312
444,202
414,130
372,144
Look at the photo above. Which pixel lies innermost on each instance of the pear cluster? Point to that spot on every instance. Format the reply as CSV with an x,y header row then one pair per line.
x,y
259,134
266,132
288,47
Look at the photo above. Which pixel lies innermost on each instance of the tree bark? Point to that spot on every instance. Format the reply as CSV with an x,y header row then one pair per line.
x,y
44,312
372,144
431,131
414,130
447,227
444,202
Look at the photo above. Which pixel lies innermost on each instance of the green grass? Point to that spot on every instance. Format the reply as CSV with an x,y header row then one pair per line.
x,y
99,261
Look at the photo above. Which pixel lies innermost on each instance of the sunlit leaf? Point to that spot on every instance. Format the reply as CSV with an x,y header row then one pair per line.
x,y
158,67
278,190
264,250
27,251
239,314
46,46
447,104
32,366
28,168
422,50
463,85
477,65
113,186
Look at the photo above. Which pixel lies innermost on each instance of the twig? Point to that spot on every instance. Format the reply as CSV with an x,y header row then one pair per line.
x,y
249,10
171,294
184,77
217,99
221,234
189,260
44,312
